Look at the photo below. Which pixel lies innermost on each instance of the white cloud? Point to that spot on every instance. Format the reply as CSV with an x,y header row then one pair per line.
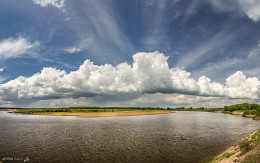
x,y
149,73
238,86
11,48
250,8
2,69
55,3
207,87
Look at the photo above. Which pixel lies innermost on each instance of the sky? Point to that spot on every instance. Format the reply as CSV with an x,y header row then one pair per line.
x,y
156,53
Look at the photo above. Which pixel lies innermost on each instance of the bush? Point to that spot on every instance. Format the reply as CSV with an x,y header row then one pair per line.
x,y
245,146
249,112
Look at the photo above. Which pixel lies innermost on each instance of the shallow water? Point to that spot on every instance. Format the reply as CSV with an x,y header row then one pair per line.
x,y
178,137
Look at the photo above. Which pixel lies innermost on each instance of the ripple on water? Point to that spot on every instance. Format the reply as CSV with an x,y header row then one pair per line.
x,y
177,137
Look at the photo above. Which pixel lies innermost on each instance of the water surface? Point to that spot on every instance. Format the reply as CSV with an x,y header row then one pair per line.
x,y
178,137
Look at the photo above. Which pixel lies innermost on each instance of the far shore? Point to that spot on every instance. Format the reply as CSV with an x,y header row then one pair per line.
x,y
100,114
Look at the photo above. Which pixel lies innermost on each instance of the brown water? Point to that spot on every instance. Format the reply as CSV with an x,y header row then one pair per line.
x,y
178,137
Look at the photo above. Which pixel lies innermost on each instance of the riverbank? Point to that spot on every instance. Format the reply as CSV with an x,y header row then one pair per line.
x,y
242,114
245,151
245,110
98,114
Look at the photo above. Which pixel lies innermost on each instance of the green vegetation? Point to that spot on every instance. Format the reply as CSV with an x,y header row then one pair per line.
x,y
248,110
4,109
203,109
86,109
245,146
229,154
244,106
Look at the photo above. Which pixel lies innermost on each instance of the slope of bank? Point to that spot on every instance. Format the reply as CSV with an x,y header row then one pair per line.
x,y
245,151
245,110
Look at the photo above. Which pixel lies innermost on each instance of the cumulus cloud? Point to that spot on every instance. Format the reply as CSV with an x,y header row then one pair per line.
x,y
11,48
238,86
148,74
55,3
251,8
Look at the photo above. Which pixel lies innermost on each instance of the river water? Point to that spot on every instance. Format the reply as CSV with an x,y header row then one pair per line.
x,y
179,137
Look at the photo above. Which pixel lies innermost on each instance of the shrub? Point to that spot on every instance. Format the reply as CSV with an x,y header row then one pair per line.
x,y
245,146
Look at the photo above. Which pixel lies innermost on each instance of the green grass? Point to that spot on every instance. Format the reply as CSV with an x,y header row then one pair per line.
x,y
229,154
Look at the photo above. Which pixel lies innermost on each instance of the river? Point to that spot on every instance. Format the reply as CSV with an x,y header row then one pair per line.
x,y
178,137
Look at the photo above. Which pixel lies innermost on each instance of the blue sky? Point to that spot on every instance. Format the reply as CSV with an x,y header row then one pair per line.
x,y
181,43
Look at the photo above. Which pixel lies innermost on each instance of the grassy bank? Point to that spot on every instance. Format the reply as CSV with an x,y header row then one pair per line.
x,y
246,110
245,151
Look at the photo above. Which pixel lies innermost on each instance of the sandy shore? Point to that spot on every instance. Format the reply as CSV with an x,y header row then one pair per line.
x,y
102,114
